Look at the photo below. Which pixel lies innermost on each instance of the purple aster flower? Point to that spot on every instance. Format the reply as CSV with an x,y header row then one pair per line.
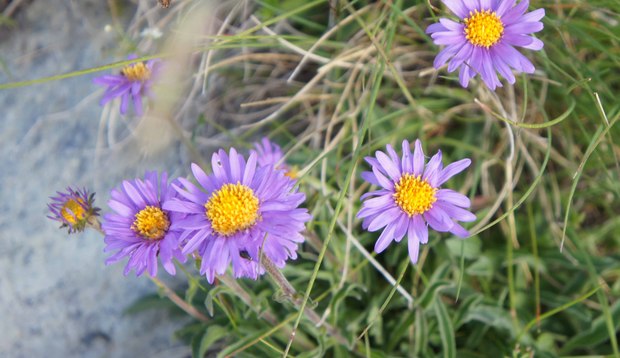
x,y
139,228
411,198
74,209
239,213
483,43
269,153
134,82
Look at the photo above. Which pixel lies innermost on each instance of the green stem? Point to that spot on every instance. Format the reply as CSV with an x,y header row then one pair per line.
x,y
291,294
172,296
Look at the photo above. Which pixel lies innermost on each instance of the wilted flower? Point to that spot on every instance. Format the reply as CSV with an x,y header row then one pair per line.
x,y
483,42
134,82
139,228
410,198
239,213
269,153
74,209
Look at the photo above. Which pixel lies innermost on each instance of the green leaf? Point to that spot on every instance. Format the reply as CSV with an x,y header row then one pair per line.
x,y
470,247
212,335
431,292
446,330
209,303
148,302
482,267
597,333
491,316
420,334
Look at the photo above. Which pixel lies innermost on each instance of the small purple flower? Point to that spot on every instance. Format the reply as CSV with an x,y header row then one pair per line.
x,y
134,82
410,198
139,228
269,153
483,43
239,213
74,209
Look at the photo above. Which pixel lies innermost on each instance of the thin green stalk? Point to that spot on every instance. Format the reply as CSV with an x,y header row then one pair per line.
x,y
343,192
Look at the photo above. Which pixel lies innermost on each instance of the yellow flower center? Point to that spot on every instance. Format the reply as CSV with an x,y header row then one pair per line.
x,y
136,72
483,28
414,195
72,210
232,208
151,223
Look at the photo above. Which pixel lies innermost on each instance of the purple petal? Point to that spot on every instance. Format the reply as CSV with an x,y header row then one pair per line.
x,y
447,38
517,40
418,158
370,177
452,25
250,169
394,157
419,226
446,54
383,181
523,28
489,73
385,239
133,194
535,45
125,102
451,170
502,68
504,6
515,13
413,246
380,201
465,75
485,4
438,219
406,161
533,16
436,27
109,80
121,208
471,5
401,227
383,219
457,7
391,169
459,231
432,169
453,197
455,212
235,169
112,93
137,104
461,56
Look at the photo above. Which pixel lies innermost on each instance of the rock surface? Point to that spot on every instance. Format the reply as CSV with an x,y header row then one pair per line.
x,y
57,298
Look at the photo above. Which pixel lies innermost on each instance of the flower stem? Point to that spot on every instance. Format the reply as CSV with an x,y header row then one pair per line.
x,y
291,294
172,296
231,283
95,224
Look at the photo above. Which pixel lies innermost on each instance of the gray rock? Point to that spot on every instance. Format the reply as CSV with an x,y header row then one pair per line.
x,y
57,298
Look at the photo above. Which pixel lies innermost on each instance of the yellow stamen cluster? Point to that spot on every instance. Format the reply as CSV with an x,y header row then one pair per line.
x,y
414,195
136,72
151,223
73,211
232,208
483,28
